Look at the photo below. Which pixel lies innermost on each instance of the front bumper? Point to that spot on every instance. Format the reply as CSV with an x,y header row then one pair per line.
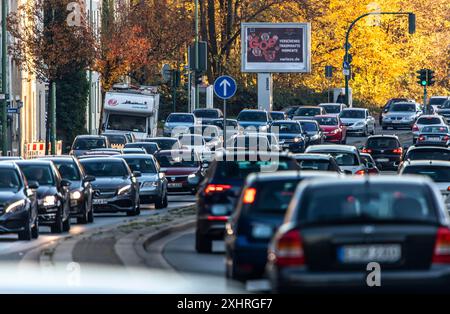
x,y
122,203
13,223
398,123
333,138
293,147
47,215
149,195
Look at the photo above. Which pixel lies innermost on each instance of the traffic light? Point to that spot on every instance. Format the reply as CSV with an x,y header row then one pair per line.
x,y
422,77
431,78
198,78
412,23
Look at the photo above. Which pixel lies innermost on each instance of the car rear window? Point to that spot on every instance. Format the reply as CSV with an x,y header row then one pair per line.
x,y
429,154
89,143
252,116
308,112
383,143
332,108
429,121
117,139
318,165
241,169
209,114
273,197
435,129
360,203
342,158
436,173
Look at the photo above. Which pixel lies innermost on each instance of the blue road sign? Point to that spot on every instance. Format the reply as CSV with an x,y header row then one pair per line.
x,y
225,87
346,65
13,110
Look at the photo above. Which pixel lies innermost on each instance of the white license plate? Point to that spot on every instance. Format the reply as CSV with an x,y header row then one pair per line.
x,y
100,201
383,160
397,121
434,139
175,185
370,253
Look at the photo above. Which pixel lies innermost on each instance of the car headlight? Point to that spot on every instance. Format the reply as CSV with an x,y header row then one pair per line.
x,y
49,201
150,184
15,206
263,128
336,131
124,190
297,140
75,195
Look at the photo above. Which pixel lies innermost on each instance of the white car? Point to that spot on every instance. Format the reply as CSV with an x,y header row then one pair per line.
x,y
347,157
358,120
426,120
196,143
437,101
178,123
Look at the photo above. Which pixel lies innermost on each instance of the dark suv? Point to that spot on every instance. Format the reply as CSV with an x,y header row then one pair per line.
x,y
222,187
386,150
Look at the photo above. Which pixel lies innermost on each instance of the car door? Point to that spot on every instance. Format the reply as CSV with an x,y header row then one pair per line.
x,y
63,193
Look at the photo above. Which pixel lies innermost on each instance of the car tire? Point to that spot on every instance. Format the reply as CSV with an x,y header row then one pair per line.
x,y
161,202
84,219
203,245
57,226
35,229
91,216
135,212
66,225
25,235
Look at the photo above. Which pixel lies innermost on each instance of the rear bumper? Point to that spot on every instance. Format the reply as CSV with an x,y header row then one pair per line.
x,y
249,259
213,230
429,143
295,279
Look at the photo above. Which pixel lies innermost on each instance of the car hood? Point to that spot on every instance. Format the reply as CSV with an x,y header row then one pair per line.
x,y
351,120
288,136
147,177
400,114
75,185
246,124
329,128
443,111
45,190
179,171
175,124
7,197
110,182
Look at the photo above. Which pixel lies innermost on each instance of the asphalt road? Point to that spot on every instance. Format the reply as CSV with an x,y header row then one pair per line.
x,y
178,250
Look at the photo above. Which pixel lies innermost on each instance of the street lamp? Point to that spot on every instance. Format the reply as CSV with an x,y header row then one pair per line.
x,y
347,58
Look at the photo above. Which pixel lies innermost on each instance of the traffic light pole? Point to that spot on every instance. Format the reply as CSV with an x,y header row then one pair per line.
x,y
425,97
197,59
53,119
4,101
412,23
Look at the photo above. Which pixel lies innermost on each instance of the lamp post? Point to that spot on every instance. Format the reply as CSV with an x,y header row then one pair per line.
x,y
347,60
197,59
4,100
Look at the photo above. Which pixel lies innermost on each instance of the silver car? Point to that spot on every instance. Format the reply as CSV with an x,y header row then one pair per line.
x,y
358,120
426,120
153,183
401,115
178,123
347,157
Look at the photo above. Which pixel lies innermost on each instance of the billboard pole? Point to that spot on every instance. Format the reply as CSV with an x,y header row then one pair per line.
x,y
265,91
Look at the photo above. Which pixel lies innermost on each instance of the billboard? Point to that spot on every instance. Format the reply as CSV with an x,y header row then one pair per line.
x,y
276,47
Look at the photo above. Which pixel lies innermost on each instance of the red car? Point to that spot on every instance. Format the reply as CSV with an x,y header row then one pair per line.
x,y
333,129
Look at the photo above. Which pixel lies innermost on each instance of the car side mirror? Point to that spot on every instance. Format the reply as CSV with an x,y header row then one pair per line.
x,y
65,183
34,185
89,178
137,174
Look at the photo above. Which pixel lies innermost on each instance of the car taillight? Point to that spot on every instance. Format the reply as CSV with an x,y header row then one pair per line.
x,y
360,173
367,151
289,249
441,254
249,196
398,151
421,138
218,218
446,138
212,188
415,128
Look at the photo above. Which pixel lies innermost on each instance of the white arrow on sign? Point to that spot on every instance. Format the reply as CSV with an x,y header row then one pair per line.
x,y
225,84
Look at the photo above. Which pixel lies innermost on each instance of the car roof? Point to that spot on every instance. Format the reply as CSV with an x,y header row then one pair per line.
x,y
51,158
355,109
253,110
313,156
441,163
91,136
101,158
428,148
286,121
367,180
290,174
39,162
309,107
277,111
331,104
136,156
206,109
383,136
8,165
159,139
328,115
332,148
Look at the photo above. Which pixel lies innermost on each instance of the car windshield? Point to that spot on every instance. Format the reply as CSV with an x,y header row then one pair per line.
x,y
437,101
251,116
242,168
317,165
121,122
277,115
403,108
9,180
287,128
342,158
116,139
105,168
435,129
429,154
251,142
192,140
327,121
446,105
332,108
353,114
176,161
143,165
68,170
150,148
273,197
309,126
308,112
429,121
383,143
359,203
436,173
230,123
166,144
209,114
42,174
89,143
180,118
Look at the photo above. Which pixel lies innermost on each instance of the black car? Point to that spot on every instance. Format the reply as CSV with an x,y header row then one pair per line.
x,y
165,143
313,131
222,186
53,194
150,148
290,135
259,213
117,140
290,111
81,192
336,229
18,203
116,188
278,115
317,162
386,150
207,114
85,143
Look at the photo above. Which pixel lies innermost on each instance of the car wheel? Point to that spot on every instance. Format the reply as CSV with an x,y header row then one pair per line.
x,y
66,225
91,215
35,229
83,220
25,235
202,244
57,226
161,202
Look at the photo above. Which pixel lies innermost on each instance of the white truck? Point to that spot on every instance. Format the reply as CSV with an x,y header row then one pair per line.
x,y
131,111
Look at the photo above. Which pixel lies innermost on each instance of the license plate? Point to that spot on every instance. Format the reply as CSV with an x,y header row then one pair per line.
x,y
285,145
100,201
369,253
397,121
383,160
175,185
434,139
